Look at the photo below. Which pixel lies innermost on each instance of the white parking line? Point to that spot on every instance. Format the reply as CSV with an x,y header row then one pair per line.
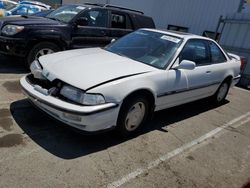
x,y
239,120
9,79
241,89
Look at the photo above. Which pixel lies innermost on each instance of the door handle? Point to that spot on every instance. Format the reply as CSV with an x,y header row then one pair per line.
x,y
103,33
208,72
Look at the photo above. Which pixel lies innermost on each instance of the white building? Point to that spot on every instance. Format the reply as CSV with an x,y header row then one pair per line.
x,y
199,17
194,16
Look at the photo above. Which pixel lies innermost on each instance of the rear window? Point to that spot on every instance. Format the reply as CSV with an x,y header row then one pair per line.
x,y
140,21
120,21
216,54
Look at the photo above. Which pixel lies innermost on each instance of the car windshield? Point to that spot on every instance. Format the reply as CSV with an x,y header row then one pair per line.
x,y
7,5
65,13
25,9
151,48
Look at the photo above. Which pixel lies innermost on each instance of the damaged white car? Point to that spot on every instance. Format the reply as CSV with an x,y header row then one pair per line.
x,y
121,85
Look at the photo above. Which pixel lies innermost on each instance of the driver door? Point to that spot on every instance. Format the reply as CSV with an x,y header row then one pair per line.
x,y
94,33
188,85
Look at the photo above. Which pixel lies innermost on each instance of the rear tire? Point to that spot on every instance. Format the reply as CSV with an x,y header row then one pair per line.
x,y
221,94
40,49
133,114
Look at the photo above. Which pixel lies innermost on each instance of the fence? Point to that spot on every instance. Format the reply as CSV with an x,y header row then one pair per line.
x,y
235,38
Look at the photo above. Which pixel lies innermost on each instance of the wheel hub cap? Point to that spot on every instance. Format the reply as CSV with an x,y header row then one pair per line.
x,y
222,92
135,116
44,51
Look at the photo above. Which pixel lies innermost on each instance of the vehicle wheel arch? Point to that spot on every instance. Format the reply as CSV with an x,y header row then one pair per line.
x,y
37,46
60,43
145,92
141,94
214,97
228,79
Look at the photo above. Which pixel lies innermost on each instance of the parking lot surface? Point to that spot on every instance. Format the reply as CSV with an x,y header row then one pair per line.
x,y
193,145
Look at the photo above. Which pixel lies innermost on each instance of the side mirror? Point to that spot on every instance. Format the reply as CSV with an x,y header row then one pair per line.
x,y
83,21
112,41
186,65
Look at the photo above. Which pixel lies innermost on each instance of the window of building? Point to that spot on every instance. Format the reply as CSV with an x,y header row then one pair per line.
x,y
216,54
177,28
210,35
197,51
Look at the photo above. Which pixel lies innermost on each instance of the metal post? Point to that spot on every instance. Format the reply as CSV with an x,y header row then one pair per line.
x,y
241,6
222,29
218,26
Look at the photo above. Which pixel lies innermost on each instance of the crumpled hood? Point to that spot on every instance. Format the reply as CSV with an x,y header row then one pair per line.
x,y
85,68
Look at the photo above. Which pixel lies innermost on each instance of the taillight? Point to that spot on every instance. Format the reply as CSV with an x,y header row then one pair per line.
x,y
243,62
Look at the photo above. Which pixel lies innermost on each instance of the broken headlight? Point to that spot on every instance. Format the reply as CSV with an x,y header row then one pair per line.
x,y
81,97
36,70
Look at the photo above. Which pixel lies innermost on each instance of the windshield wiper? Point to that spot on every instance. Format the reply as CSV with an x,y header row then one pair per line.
x,y
56,19
24,16
120,54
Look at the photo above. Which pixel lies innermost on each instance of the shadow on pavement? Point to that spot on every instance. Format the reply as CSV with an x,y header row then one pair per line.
x,y
12,65
62,141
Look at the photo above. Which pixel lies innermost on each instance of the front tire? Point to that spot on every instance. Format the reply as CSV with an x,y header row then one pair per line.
x,y
132,116
40,49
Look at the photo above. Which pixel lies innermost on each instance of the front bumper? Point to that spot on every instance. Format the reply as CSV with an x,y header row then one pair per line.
x,y
13,46
86,118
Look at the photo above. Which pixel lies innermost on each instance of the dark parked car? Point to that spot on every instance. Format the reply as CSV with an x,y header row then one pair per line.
x,y
25,9
7,5
37,3
68,27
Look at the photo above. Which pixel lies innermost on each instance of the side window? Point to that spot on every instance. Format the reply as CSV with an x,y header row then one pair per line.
x,y
211,34
7,5
33,10
96,18
177,28
22,10
216,54
197,51
119,21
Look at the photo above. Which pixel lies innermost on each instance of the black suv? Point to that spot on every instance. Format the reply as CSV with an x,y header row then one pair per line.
x,y
68,27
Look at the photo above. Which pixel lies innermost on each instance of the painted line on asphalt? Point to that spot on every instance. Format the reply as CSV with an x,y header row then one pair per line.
x,y
9,79
5,102
127,178
242,89
2,103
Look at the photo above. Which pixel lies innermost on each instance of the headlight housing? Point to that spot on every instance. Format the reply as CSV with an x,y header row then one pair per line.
x,y
12,29
36,70
81,97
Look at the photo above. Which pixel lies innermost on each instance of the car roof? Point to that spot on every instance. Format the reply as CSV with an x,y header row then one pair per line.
x,y
9,1
35,3
108,6
178,34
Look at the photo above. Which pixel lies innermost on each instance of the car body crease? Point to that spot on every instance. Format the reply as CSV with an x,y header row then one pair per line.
x,y
115,79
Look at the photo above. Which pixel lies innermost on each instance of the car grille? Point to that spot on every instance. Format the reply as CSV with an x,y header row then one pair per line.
x,y
46,84
53,87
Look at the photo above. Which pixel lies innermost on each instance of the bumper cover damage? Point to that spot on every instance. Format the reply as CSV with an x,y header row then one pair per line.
x,y
86,118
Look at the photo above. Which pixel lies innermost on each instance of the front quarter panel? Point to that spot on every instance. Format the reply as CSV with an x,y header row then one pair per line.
x,y
118,90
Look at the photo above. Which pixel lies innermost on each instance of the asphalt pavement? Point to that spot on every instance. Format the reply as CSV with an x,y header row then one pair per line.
x,y
193,145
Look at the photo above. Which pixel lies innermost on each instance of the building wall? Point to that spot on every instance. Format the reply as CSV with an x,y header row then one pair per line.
x,y
197,15
53,3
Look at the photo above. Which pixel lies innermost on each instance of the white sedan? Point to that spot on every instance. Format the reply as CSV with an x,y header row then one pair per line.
x,y
121,85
